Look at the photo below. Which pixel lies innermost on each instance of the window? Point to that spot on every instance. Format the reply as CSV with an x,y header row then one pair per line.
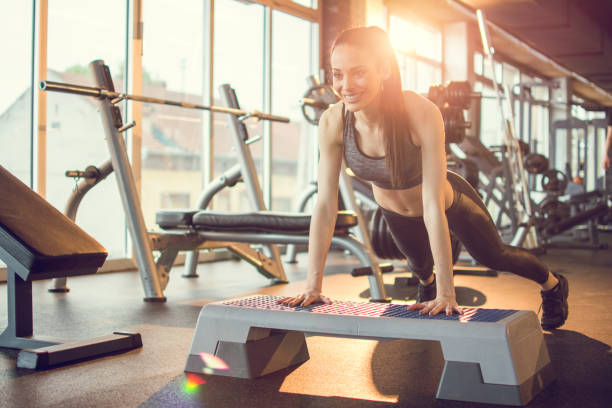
x,y
172,68
411,38
307,3
478,63
419,52
294,58
16,95
490,122
78,34
238,61
176,64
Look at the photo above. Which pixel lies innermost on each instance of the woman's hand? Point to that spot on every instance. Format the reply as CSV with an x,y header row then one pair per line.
x,y
606,163
304,299
440,304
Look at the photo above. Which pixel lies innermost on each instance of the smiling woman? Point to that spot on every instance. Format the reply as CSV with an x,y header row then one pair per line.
x,y
395,140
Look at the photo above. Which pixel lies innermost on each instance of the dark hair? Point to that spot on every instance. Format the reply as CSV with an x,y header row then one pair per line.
x,y
395,127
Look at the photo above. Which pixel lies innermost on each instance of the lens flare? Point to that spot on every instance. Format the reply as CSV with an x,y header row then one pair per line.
x,y
192,383
212,363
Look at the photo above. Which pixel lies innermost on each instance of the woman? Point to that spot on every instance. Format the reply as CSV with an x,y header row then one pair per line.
x,y
395,139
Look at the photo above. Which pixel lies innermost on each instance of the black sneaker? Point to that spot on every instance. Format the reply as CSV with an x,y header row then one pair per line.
x,y
426,293
554,304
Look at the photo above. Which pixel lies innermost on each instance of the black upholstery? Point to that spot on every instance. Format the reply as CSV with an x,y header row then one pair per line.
x,y
258,221
39,237
171,219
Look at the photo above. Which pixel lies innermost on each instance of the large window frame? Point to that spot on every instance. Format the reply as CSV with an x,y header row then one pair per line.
x,y
133,84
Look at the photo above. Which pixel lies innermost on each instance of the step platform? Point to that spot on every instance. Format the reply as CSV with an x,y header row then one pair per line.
x,y
491,355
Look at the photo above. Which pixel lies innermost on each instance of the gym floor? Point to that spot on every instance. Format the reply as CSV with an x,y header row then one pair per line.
x,y
340,372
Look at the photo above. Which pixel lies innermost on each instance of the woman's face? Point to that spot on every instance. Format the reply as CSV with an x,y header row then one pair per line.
x,y
356,76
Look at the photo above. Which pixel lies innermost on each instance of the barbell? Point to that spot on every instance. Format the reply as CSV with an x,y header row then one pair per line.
x,y
116,97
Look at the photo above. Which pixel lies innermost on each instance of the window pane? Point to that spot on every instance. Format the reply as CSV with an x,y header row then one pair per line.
x,y
294,58
407,68
490,122
15,98
172,68
409,37
478,61
79,33
307,3
238,61
426,75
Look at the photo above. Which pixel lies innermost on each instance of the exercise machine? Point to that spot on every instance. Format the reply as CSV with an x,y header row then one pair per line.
x,y
38,242
491,356
191,230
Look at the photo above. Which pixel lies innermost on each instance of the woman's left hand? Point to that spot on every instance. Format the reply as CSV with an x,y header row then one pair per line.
x,y
440,304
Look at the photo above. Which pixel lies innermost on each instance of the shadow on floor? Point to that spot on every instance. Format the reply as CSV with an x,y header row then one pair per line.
x,y
411,370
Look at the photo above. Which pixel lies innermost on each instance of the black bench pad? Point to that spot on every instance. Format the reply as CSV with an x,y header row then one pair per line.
x,y
257,221
39,237
173,219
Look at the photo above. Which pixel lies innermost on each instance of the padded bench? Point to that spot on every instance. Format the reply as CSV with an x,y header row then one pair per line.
x,y
268,227
38,242
256,221
491,355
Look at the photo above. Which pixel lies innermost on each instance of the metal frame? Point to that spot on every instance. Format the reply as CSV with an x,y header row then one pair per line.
x,y
155,273
135,33
526,234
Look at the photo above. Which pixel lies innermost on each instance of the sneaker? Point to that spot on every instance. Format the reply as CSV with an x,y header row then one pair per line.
x,y
554,304
426,293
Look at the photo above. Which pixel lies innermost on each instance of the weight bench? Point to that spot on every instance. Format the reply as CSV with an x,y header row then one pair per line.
x,y
491,356
268,227
39,242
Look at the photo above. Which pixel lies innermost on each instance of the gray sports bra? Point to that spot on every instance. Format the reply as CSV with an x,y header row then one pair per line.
x,y
374,169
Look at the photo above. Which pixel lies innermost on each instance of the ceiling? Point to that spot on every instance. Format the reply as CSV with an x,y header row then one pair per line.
x,y
554,38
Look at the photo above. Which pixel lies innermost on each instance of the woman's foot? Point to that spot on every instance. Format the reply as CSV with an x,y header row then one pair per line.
x,y
427,292
554,304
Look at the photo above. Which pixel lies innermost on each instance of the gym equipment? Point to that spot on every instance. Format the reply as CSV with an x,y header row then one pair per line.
x,y
91,176
494,180
181,234
103,93
452,100
525,233
317,99
38,242
491,355
554,181
457,94
559,212
455,124
535,163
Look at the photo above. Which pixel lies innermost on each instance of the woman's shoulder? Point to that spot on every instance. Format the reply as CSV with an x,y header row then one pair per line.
x,y
332,118
423,115
418,105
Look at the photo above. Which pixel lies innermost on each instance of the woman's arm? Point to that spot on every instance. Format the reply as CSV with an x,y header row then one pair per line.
x,y
325,210
430,131
607,149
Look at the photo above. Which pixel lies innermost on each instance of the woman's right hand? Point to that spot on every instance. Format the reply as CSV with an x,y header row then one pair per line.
x,y
304,299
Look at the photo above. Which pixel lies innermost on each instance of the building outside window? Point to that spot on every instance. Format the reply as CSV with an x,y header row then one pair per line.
x,y
78,34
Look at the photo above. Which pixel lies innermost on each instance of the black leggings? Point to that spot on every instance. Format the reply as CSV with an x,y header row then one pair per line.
x,y
470,221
